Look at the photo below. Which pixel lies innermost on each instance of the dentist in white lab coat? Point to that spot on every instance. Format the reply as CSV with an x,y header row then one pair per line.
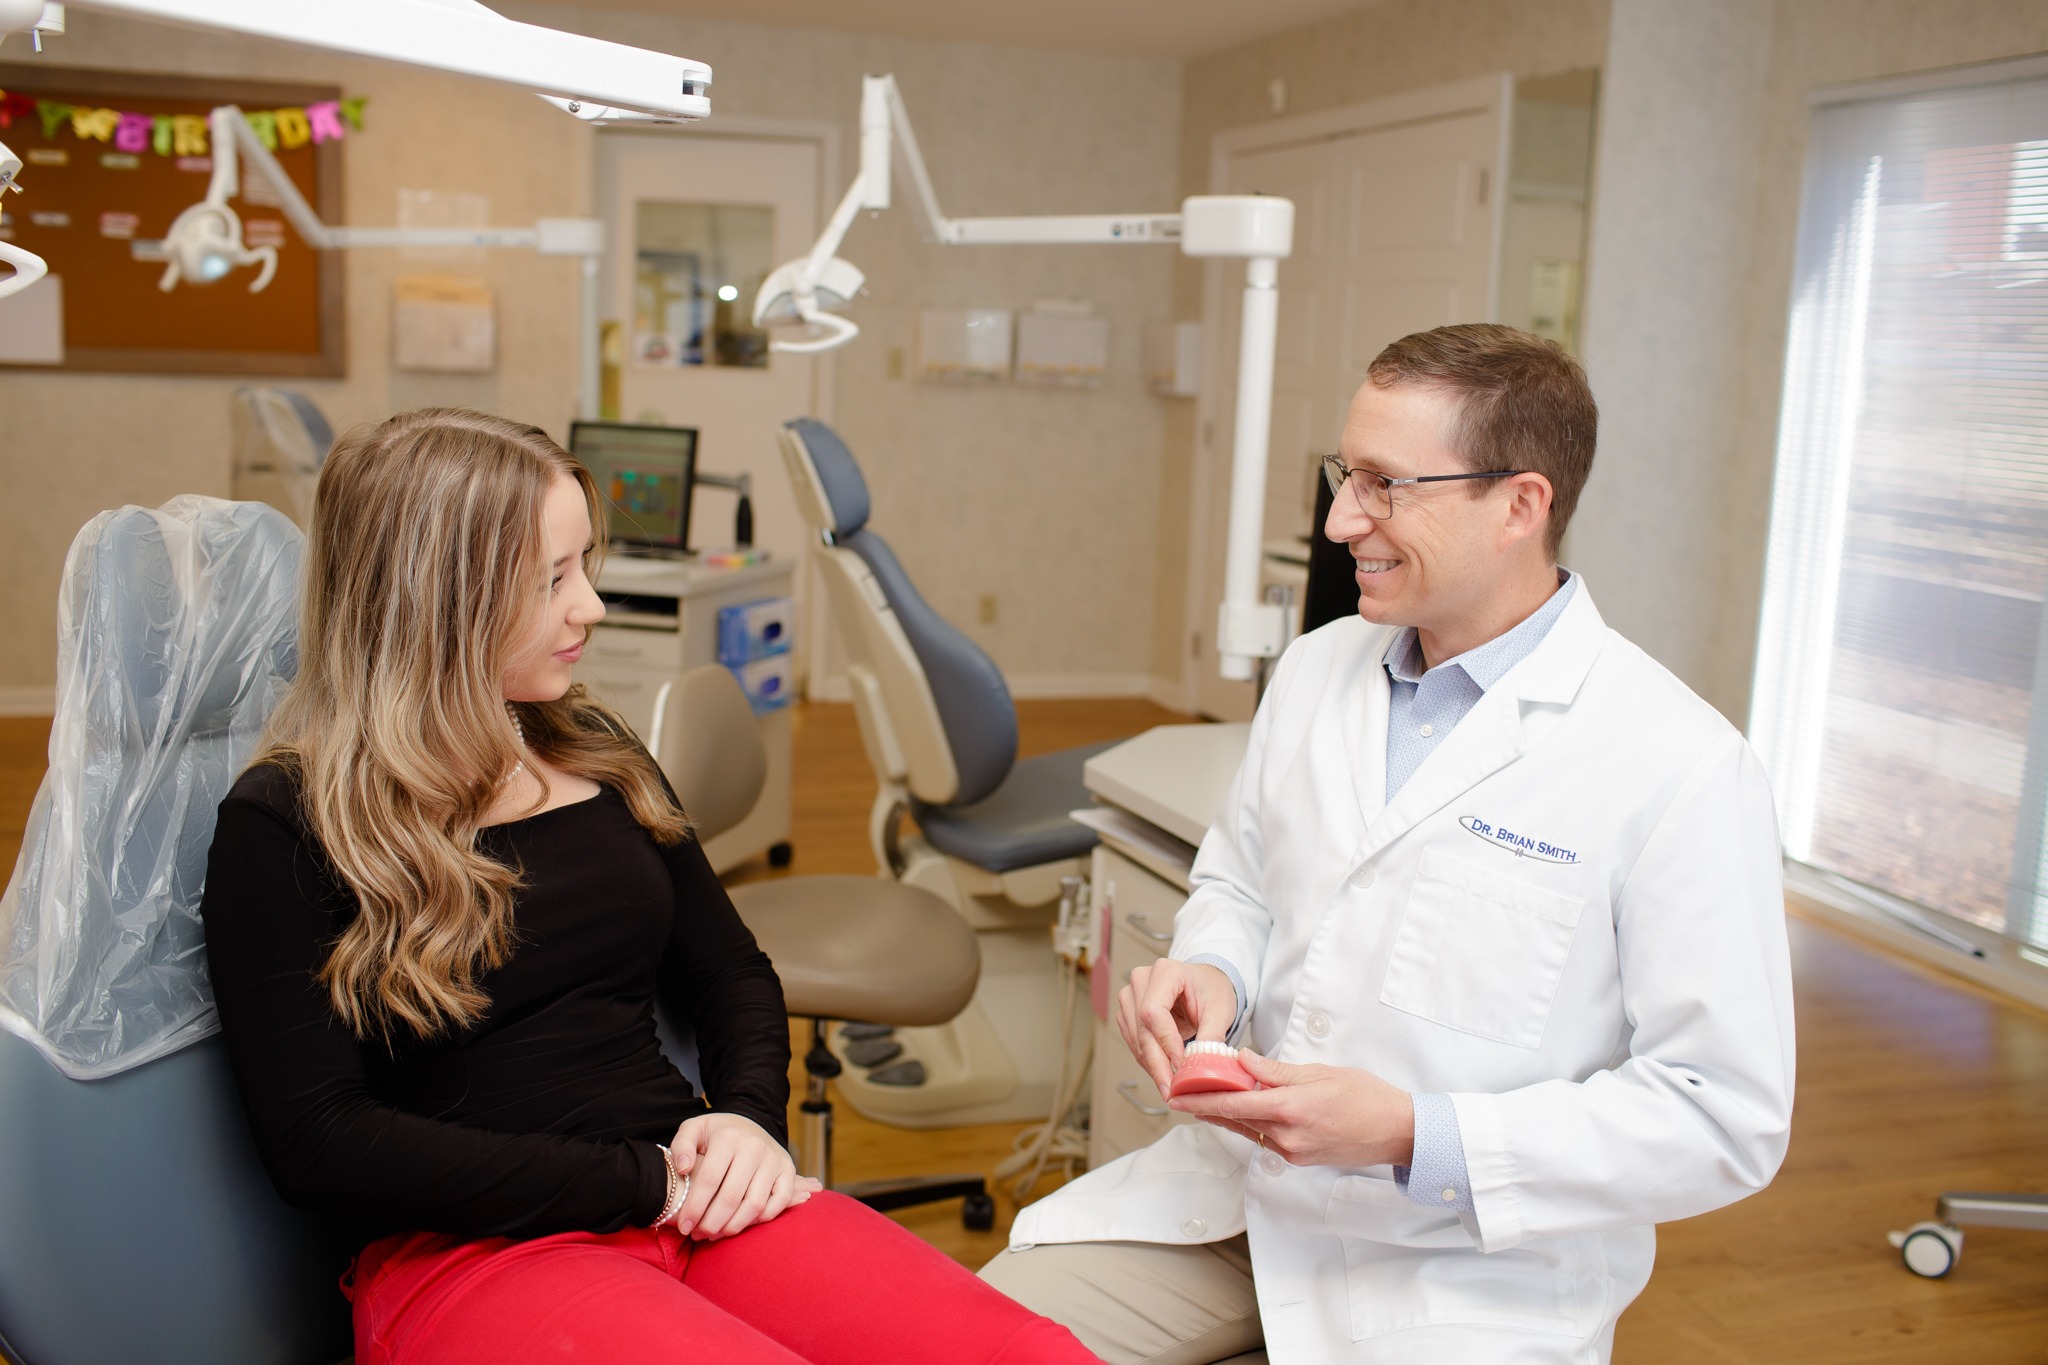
x,y
1494,910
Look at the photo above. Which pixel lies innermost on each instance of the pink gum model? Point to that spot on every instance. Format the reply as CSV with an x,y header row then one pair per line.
x,y
1208,1067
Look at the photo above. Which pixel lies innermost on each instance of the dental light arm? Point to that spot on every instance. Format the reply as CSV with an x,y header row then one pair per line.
x,y
28,267
807,290
1256,229
597,81
608,80
205,241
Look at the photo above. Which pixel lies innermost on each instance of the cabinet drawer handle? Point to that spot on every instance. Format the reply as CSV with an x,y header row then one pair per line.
x,y
1137,920
1128,1089
617,651
612,685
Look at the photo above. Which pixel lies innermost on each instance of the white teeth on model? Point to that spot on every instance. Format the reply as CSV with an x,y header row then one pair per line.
x,y
1376,565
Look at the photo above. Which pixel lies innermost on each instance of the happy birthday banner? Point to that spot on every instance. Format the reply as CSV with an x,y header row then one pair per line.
x,y
186,134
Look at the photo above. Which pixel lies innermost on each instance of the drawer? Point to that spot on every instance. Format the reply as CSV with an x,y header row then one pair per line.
x,y
1142,906
1126,1111
653,649
628,691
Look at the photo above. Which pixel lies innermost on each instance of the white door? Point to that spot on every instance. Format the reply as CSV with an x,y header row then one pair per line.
x,y
1397,229
693,222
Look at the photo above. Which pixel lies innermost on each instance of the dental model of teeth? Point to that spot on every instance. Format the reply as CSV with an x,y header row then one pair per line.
x,y
1208,1067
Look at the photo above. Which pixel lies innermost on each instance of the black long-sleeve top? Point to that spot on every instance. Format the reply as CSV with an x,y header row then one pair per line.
x,y
545,1116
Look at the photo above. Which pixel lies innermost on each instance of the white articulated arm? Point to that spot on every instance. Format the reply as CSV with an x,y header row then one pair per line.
x,y
28,267
597,81
460,36
1253,228
810,289
205,241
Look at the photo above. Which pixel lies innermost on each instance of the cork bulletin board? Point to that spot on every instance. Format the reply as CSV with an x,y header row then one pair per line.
x,y
93,190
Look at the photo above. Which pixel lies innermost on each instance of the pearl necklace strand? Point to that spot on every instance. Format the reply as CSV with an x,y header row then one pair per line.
x,y
519,731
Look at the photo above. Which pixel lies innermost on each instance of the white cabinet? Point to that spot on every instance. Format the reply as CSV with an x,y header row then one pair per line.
x,y
1158,793
1126,1110
661,617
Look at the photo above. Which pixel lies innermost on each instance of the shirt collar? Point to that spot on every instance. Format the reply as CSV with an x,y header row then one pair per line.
x,y
1484,664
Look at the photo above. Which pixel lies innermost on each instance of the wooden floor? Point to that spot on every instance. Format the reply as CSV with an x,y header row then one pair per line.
x,y
1910,1083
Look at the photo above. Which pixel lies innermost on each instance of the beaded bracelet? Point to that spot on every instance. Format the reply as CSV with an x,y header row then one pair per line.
x,y
678,1191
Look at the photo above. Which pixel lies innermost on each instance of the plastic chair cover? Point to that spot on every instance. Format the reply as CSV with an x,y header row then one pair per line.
x,y
176,637
280,442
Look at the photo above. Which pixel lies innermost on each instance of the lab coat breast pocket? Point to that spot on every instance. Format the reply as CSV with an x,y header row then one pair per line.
x,y
1480,951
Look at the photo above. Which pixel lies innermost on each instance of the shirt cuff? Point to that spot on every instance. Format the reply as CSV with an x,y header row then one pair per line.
x,y
1439,1179
1224,966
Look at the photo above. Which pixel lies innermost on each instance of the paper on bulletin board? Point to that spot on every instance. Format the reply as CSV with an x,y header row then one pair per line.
x,y
32,324
445,324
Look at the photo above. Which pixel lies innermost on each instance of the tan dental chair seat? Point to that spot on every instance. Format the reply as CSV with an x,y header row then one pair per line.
x,y
846,948
860,948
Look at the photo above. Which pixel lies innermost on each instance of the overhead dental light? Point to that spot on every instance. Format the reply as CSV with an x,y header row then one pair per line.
x,y
804,299
205,241
28,267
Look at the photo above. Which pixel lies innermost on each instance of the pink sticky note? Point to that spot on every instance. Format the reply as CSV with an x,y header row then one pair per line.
x,y
325,119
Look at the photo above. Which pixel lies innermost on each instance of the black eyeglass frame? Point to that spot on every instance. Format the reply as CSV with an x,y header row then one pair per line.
x,y
1337,474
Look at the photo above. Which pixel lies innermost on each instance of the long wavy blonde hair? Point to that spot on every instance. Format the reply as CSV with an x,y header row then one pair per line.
x,y
426,569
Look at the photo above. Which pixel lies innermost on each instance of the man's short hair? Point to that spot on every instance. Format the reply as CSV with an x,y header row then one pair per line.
x,y
1523,404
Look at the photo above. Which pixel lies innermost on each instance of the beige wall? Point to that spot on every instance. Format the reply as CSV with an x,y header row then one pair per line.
x,y
1382,49
1025,494
1686,323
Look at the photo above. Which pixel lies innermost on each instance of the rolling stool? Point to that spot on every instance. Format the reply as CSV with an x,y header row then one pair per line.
x,y
847,948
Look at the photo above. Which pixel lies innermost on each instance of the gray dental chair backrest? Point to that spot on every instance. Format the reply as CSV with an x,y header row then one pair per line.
x,y
136,1223
960,693
280,442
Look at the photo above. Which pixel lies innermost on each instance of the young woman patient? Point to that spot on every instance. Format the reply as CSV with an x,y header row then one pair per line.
x,y
440,908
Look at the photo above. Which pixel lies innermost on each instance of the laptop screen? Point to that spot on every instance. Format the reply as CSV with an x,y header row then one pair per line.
x,y
644,474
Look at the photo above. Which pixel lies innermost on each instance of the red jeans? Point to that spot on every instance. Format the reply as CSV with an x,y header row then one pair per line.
x,y
830,1282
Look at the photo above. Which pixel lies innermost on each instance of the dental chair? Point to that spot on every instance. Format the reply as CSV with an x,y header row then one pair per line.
x,y
136,1222
280,442
858,948
992,838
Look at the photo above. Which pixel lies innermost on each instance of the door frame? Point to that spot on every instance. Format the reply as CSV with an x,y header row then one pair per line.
x,y
814,656
1211,462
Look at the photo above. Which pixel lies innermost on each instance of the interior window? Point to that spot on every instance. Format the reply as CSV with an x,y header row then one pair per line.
x,y
696,269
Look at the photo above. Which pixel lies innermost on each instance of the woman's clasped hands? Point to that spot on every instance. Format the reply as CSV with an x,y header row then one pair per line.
x,y
738,1174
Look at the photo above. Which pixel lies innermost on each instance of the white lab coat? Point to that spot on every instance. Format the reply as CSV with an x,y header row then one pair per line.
x,y
1570,919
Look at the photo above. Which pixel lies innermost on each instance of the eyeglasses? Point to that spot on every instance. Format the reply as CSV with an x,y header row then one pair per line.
x,y
1375,491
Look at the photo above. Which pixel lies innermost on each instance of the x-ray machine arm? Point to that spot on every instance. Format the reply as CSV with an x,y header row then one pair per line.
x,y
1255,228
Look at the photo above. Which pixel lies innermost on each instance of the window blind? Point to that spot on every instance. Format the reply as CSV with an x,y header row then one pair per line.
x,y
1901,697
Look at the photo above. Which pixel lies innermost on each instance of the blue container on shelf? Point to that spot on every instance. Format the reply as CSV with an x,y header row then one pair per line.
x,y
770,683
755,630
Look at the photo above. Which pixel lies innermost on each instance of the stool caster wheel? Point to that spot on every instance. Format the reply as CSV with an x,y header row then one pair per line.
x,y
779,855
1930,1250
978,1212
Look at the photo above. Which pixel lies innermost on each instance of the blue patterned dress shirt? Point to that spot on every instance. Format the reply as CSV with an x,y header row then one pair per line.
x,y
1423,707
